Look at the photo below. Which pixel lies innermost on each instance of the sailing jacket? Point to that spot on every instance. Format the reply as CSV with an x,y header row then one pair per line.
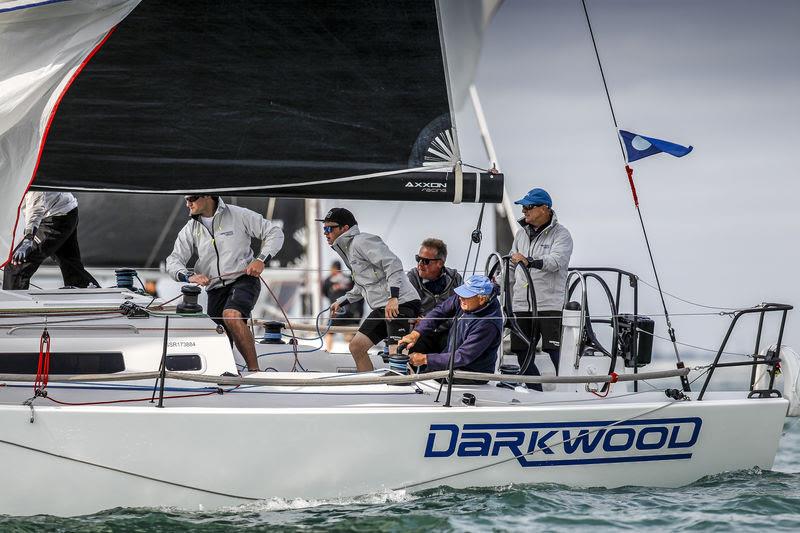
x,y
553,247
429,299
377,273
477,337
40,205
226,249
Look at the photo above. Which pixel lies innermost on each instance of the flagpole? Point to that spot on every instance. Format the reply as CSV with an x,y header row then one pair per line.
x,y
629,172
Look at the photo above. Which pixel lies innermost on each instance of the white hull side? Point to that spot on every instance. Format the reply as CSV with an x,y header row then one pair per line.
x,y
327,453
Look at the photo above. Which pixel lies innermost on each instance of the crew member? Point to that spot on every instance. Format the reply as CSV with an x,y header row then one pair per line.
x,y
544,247
478,334
220,236
435,283
51,230
378,278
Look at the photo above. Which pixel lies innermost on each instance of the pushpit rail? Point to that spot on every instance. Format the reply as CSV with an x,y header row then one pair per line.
x,y
769,358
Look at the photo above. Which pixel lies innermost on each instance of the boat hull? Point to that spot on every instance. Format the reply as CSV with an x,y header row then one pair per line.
x,y
80,460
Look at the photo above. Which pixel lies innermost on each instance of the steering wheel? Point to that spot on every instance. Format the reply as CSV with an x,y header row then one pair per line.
x,y
589,339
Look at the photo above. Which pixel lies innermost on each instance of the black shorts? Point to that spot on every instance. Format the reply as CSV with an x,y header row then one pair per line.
x,y
240,294
377,328
547,325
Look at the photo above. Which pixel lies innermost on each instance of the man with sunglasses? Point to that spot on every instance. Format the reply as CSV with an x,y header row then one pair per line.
x,y
220,236
478,334
434,283
378,278
544,247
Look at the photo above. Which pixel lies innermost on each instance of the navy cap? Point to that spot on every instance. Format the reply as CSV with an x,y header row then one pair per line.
x,y
536,197
340,216
474,286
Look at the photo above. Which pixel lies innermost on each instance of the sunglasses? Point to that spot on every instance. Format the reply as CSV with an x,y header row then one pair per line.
x,y
531,206
426,261
329,229
192,198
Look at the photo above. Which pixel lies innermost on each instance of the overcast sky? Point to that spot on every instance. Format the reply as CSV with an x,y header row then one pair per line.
x,y
721,76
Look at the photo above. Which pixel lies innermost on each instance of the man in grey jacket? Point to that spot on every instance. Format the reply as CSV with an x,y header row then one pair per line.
x,y
544,247
378,277
435,283
220,236
51,230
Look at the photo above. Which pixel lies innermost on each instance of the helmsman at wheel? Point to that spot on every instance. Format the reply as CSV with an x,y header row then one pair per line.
x,y
544,247
220,236
378,278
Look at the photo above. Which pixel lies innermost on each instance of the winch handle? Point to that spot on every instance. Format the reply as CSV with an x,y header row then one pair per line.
x,y
401,347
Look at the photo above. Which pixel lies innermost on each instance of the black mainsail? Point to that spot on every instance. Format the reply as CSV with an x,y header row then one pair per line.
x,y
293,99
304,99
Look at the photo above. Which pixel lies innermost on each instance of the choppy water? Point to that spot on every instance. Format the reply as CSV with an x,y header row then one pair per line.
x,y
740,501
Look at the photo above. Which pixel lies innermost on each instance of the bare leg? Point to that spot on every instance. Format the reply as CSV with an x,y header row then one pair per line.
x,y
242,337
329,342
358,348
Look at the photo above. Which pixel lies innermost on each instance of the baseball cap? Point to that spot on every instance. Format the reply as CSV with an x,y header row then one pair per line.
x,y
340,216
475,285
536,197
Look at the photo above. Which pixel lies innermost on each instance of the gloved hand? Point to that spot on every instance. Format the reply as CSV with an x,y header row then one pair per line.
x,y
22,251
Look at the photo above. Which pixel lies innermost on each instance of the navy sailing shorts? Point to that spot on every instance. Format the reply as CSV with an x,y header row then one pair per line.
x,y
240,294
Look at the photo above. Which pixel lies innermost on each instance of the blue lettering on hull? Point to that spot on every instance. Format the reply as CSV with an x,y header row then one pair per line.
x,y
570,443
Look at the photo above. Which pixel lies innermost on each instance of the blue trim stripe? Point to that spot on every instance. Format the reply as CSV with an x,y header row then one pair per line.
x,y
605,460
35,4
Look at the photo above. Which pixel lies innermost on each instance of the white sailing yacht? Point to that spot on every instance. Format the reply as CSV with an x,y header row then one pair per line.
x,y
142,405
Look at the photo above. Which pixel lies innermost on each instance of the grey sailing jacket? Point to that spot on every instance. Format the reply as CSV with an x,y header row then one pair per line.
x,y
227,248
554,247
374,268
430,300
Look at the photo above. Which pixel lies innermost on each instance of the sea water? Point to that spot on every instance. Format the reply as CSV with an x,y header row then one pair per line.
x,y
751,500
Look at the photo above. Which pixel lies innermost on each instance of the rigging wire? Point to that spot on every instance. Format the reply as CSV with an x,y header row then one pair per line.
x,y
690,302
629,171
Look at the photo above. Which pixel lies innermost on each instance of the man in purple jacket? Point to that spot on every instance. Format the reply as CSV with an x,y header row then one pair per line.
x,y
479,329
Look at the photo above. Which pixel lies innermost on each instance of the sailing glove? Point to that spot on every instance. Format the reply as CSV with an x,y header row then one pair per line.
x,y
22,251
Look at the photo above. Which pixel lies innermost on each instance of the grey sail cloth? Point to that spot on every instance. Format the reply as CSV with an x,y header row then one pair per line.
x,y
430,300
226,250
374,267
554,247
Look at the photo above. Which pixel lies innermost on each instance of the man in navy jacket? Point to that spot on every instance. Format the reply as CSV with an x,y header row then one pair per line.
x,y
479,329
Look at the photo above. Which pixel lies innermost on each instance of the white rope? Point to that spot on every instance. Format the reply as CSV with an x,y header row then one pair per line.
x,y
346,381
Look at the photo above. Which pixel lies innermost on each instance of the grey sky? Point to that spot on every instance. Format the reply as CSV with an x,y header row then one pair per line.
x,y
722,76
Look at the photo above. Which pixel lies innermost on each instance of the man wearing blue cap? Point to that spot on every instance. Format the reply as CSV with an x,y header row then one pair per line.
x,y
479,329
544,247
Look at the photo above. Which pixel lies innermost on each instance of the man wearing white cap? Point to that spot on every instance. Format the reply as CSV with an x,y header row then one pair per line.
x,y
544,247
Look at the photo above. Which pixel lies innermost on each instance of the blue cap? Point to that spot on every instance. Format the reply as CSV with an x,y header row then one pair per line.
x,y
475,285
536,197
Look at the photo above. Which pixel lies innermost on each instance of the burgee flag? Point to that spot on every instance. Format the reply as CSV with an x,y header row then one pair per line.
x,y
638,146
